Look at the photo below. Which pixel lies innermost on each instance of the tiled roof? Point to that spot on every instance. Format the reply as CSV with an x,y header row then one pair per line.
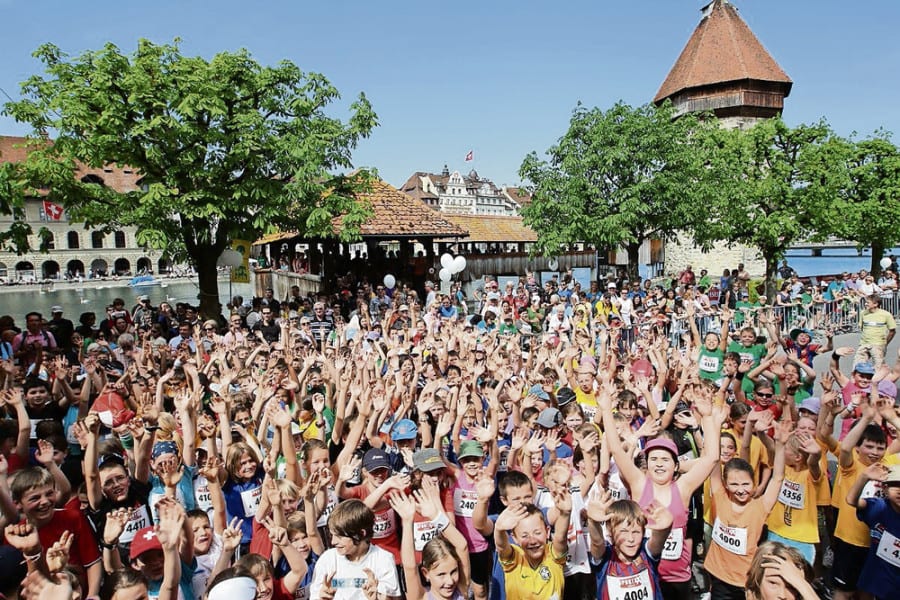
x,y
15,149
721,49
399,214
484,228
518,195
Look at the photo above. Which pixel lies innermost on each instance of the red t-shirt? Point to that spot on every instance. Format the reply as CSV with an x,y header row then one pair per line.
x,y
386,534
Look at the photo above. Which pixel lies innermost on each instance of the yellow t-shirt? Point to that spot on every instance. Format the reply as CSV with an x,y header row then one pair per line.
x,y
544,582
823,487
588,402
795,516
849,528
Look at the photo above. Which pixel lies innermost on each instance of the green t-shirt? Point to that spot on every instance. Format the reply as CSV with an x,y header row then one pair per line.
x,y
752,354
710,363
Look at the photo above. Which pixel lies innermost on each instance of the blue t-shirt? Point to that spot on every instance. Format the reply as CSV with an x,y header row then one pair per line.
x,y
627,575
241,501
185,590
184,491
881,574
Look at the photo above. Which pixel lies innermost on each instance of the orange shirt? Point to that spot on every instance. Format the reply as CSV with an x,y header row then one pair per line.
x,y
734,538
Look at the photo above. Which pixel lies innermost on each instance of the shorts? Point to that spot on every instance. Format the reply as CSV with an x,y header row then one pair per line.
x,y
480,564
806,549
848,564
725,591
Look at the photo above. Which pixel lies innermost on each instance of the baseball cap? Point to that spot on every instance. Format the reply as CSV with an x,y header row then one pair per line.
x,y
56,309
428,460
144,541
493,296
811,404
549,418
661,444
470,448
538,391
375,459
403,307
864,368
887,388
143,298
798,330
682,406
611,284
405,429
564,395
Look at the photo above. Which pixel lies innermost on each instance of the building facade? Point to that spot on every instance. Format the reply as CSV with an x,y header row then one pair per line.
x,y
74,250
458,194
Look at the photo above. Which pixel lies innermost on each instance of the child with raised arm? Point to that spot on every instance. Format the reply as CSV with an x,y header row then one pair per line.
x,y
628,566
533,567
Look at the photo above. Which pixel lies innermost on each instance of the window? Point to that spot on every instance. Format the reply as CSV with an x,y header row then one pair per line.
x,y
73,240
120,239
96,239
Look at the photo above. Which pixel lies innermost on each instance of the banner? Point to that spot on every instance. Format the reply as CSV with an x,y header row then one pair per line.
x,y
241,274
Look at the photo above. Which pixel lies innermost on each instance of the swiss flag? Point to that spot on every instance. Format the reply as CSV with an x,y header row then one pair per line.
x,y
53,211
470,156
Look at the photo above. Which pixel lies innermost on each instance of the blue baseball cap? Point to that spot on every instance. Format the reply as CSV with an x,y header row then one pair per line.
x,y
405,429
864,368
538,391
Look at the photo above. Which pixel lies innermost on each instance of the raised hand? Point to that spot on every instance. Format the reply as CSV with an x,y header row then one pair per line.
x,y
403,505
349,470
428,499
277,534
510,517
23,538
598,507
659,515
58,554
44,455
327,592
485,486
116,520
231,536
171,520
370,587
563,500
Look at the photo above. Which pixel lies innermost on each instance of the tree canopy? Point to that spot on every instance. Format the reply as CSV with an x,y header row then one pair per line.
x,y
616,178
227,148
775,186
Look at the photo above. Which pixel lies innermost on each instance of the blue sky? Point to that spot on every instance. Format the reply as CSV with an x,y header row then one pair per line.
x,y
499,77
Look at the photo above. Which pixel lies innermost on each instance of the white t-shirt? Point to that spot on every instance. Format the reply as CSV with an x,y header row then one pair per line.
x,y
205,565
349,577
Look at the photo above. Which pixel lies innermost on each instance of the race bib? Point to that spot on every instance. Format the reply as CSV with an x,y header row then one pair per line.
x,y
464,502
385,525
504,459
139,519
791,494
302,593
889,549
202,495
673,546
423,533
732,539
872,489
631,587
590,412
689,455
250,499
329,507
708,363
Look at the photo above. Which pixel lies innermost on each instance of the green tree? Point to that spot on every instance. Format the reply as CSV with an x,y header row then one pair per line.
x,y
227,148
616,179
774,186
869,207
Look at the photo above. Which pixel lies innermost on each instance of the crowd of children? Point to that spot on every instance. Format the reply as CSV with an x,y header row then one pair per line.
x,y
320,455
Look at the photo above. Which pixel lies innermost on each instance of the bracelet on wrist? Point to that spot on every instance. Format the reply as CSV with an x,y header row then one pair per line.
x,y
33,557
107,545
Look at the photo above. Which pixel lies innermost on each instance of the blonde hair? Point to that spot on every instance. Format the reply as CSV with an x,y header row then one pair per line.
x,y
757,571
625,512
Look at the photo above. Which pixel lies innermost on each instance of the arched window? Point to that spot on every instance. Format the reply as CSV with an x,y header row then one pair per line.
x,y
74,242
96,239
91,178
120,239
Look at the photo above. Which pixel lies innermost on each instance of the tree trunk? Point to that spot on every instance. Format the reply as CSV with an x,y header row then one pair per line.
x,y
771,259
208,280
633,260
877,255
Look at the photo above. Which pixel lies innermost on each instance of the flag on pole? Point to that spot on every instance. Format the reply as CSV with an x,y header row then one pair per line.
x,y
470,156
53,211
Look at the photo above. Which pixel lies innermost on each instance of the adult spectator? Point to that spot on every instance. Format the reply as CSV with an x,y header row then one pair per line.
x,y
33,340
61,328
877,329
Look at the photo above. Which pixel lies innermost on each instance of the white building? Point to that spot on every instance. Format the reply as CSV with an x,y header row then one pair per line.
x,y
454,193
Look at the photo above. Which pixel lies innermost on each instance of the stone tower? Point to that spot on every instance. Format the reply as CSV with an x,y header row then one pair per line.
x,y
726,70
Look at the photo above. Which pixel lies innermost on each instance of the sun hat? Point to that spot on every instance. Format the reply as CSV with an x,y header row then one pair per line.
x,y
470,448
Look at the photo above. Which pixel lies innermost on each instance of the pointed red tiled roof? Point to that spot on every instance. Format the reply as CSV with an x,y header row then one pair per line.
x,y
401,215
721,49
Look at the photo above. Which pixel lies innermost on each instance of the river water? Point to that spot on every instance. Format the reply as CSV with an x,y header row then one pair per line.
x,y
77,299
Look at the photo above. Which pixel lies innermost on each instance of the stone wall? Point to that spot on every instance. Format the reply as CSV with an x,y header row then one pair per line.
x,y
683,252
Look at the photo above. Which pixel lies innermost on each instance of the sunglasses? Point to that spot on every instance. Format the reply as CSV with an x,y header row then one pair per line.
x,y
761,395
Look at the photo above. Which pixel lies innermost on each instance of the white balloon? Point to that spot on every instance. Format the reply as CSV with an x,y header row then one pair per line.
x,y
389,281
885,262
459,264
553,265
445,275
446,260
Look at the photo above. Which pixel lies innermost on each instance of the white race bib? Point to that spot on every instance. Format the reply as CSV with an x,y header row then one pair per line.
x,y
674,544
631,587
202,495
331,502
872,489
250,499
708,363
590,412
139,519
791,494
464,502
732,539
385,525
889,549
423,533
